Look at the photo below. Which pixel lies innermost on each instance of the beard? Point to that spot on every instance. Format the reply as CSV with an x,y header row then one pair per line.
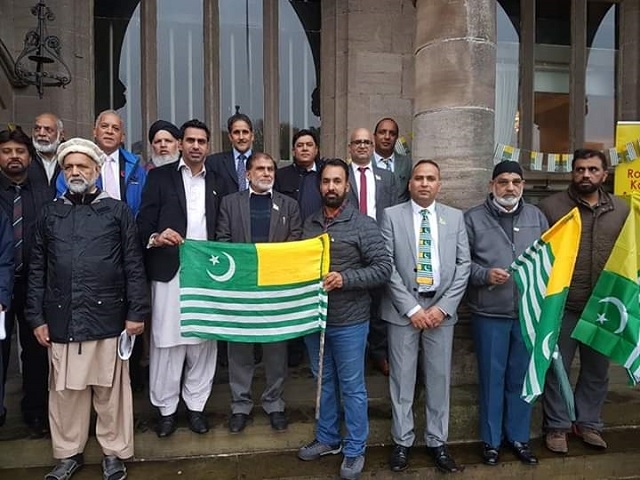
x,y
585,187
262,185
333,200
160,160
80,185
46,147
508,201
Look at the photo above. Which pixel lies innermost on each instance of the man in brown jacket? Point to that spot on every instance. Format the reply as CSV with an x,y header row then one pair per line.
x,y
602,217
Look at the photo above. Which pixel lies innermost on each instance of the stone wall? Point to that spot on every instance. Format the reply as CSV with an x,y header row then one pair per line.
x,y
367,67
74,104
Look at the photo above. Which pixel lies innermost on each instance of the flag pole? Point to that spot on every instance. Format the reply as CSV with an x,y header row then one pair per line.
x,y
564,383
320,368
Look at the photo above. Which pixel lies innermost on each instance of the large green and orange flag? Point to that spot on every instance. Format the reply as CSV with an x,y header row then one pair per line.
x,y
610,323
543,273
243,292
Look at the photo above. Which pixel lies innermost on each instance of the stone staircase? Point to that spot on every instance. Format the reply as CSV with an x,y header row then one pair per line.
x,y
258,452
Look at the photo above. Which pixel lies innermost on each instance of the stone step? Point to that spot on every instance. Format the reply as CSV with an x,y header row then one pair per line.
x,y
622,409
620,461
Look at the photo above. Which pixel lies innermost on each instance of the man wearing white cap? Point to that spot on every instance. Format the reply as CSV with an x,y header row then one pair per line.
x,y
87,284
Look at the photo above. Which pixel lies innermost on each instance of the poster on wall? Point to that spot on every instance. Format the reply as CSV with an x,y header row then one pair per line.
x,y
627,173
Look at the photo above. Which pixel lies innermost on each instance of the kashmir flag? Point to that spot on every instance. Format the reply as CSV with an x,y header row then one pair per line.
x,y
543,273
610,322
243,292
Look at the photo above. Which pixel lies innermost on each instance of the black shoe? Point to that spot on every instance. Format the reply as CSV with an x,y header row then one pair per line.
x,y
399,458
38,427
237,422
489,454
278,421
444,461
197,422
523,452
166,425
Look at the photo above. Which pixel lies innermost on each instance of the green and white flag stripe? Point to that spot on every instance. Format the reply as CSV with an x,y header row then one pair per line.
x,y
543,274
252,292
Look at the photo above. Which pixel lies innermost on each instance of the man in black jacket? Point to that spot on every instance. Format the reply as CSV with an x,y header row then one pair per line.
x,y
48,134
359,262
22,197
179,201
87,293
300,182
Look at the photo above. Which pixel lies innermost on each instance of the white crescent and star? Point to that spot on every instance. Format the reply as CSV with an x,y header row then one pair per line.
x,y
225,277
546,351
622,310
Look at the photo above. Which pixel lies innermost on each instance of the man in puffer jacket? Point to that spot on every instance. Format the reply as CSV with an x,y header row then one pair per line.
x,y
359,262
499,230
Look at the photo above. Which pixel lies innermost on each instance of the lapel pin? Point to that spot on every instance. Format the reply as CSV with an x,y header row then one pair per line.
x,y
276,207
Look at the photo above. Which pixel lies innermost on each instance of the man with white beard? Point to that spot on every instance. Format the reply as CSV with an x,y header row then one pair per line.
x,y
499,230
48,133
164,138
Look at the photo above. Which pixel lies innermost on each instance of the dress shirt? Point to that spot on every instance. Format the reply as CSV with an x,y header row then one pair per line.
x,y
194,191
371,187
236,154
112,162
382,165
49,166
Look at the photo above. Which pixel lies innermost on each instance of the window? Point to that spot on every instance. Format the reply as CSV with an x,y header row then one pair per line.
x,y
206,59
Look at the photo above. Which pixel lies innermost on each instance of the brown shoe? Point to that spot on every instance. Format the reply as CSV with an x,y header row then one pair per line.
x,y
590,437
556,441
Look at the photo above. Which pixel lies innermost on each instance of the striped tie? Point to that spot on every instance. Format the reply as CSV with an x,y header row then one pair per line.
x,y
241,172
387,163
425,268
17,229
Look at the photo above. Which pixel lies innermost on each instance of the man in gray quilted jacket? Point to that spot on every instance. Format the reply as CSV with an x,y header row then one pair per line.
x,y
359,262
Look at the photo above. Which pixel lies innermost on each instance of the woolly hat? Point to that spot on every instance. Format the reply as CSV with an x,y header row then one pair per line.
x,y
163,125
80,145
506,167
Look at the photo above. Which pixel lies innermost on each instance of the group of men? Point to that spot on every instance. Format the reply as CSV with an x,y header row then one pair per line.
x,y
74,272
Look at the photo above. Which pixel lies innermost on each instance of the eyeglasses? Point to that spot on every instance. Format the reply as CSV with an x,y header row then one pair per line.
x,y
361,142
503,183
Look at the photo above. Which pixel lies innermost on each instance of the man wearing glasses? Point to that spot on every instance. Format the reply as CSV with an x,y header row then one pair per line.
x,y
372,189
499,230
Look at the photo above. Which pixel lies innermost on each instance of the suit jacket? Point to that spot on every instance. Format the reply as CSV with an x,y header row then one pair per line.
x,y
224,166
234,221
402,171
164,205
35,195
385,185
401,293
38,174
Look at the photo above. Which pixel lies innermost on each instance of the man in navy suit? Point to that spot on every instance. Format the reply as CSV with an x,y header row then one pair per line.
x,y
231,167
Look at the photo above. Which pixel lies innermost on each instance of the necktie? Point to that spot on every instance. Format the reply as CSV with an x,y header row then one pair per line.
x,y
17,229
362,201
110,182
387,163
241,172
425,268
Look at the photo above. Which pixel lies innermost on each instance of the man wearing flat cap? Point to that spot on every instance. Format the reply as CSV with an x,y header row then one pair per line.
x,y
499,230
86,286
164,138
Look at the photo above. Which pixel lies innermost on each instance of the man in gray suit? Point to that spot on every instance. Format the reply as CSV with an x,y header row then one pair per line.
x,y
428,242
385,136
372,189
257,215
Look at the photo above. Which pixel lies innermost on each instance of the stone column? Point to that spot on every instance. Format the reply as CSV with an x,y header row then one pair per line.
x,y
455,68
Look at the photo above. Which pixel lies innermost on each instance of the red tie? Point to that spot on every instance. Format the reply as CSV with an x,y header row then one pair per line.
x,y
363,190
